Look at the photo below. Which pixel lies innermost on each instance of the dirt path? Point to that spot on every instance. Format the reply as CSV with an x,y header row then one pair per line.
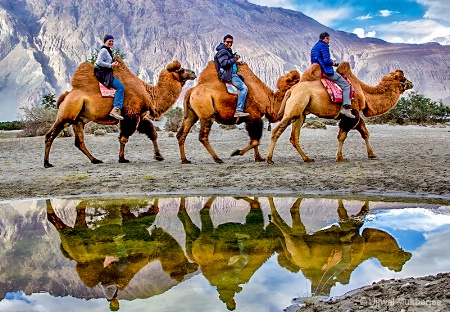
x,y
412,160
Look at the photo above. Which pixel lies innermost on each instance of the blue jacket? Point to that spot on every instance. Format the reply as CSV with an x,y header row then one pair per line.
x,y
224,59
320,54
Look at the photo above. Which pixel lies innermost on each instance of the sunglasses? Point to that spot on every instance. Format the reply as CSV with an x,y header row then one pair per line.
x,y
228,41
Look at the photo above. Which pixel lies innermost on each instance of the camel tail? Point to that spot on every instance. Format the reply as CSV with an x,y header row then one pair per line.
x,y
186,105
283,104
61,98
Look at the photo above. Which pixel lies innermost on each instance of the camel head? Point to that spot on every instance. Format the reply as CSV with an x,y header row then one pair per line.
x,y
179,73
284,83
405,83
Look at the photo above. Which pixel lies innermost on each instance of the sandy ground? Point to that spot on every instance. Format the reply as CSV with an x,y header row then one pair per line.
x,y
412,161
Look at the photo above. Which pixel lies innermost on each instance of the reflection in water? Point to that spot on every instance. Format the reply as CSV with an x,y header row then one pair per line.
x,y
111,254
142,248
329,256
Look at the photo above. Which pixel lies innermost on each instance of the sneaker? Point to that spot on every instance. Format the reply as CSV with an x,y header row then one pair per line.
x,y
347,112
240,113
115,112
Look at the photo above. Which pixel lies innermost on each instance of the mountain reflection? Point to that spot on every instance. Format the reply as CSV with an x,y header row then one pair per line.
x,y
124,249
112,253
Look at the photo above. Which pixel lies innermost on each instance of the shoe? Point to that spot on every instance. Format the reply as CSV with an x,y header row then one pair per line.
x,y
240,113
115,112
347,112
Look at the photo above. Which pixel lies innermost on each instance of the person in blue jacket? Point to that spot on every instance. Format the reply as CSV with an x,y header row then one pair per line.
x,y
225,61
320,54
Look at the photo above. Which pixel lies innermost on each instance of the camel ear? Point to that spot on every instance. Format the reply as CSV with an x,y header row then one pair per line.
x,y
174,66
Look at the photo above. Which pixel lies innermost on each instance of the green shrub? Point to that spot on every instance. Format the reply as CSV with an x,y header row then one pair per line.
x,y
415,109
174,118
93,127
11,125
38,119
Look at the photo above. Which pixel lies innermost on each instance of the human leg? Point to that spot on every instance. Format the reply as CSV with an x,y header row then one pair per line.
x,y
243,90
345,86
118,98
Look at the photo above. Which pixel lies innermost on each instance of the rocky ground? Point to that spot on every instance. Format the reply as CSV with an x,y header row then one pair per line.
x,y
412,161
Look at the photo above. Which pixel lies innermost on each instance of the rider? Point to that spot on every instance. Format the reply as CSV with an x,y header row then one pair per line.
x,y
225,62
320,54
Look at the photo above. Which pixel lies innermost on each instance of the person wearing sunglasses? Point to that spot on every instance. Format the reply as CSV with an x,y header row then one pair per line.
x,y
225,61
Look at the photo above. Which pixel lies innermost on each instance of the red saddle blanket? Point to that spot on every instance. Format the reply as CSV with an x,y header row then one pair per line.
x,y
335,91
106,92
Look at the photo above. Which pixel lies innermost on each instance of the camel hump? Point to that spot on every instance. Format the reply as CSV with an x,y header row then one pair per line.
x,y
208,74
312,73
83,75
287,81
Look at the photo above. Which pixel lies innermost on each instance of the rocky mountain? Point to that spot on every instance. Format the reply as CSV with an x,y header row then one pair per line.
x,y
42,42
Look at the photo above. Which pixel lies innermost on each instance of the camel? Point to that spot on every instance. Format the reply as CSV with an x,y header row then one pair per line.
x,y
209,101
310,97
330,255
229,254
84,103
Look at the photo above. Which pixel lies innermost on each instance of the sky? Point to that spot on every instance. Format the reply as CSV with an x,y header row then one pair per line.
x,y
397,21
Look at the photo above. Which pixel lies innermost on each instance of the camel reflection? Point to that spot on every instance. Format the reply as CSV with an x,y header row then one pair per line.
x,y
112,250
329,256
231,253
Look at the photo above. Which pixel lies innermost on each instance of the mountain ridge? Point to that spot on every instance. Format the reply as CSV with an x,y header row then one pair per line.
x,y
42,44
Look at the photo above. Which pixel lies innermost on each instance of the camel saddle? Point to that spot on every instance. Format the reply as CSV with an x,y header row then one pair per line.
x,y
106,92
231,88
335,91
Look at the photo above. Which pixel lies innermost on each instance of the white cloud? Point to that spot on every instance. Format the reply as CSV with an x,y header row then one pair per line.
x,y
364,17
386,13
420,31
328,16
360,32
437,9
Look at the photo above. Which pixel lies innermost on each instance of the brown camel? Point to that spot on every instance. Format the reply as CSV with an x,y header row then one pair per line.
x,y
310,97
84,103
209,101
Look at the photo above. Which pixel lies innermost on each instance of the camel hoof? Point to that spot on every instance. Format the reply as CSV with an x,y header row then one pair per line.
x,y
218,160
185,161
47,165
159,157
308,160
342,160
373,157
236,153
269,161
260,159
96,161
123,161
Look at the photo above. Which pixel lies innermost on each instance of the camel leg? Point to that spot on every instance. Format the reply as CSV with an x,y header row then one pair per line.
x,y
365,135
254,129
276,133
78,130
205,128
188,121
146,126
295,138
342,135
50,136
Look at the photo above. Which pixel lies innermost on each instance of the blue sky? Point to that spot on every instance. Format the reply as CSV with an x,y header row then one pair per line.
x,y
406,21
